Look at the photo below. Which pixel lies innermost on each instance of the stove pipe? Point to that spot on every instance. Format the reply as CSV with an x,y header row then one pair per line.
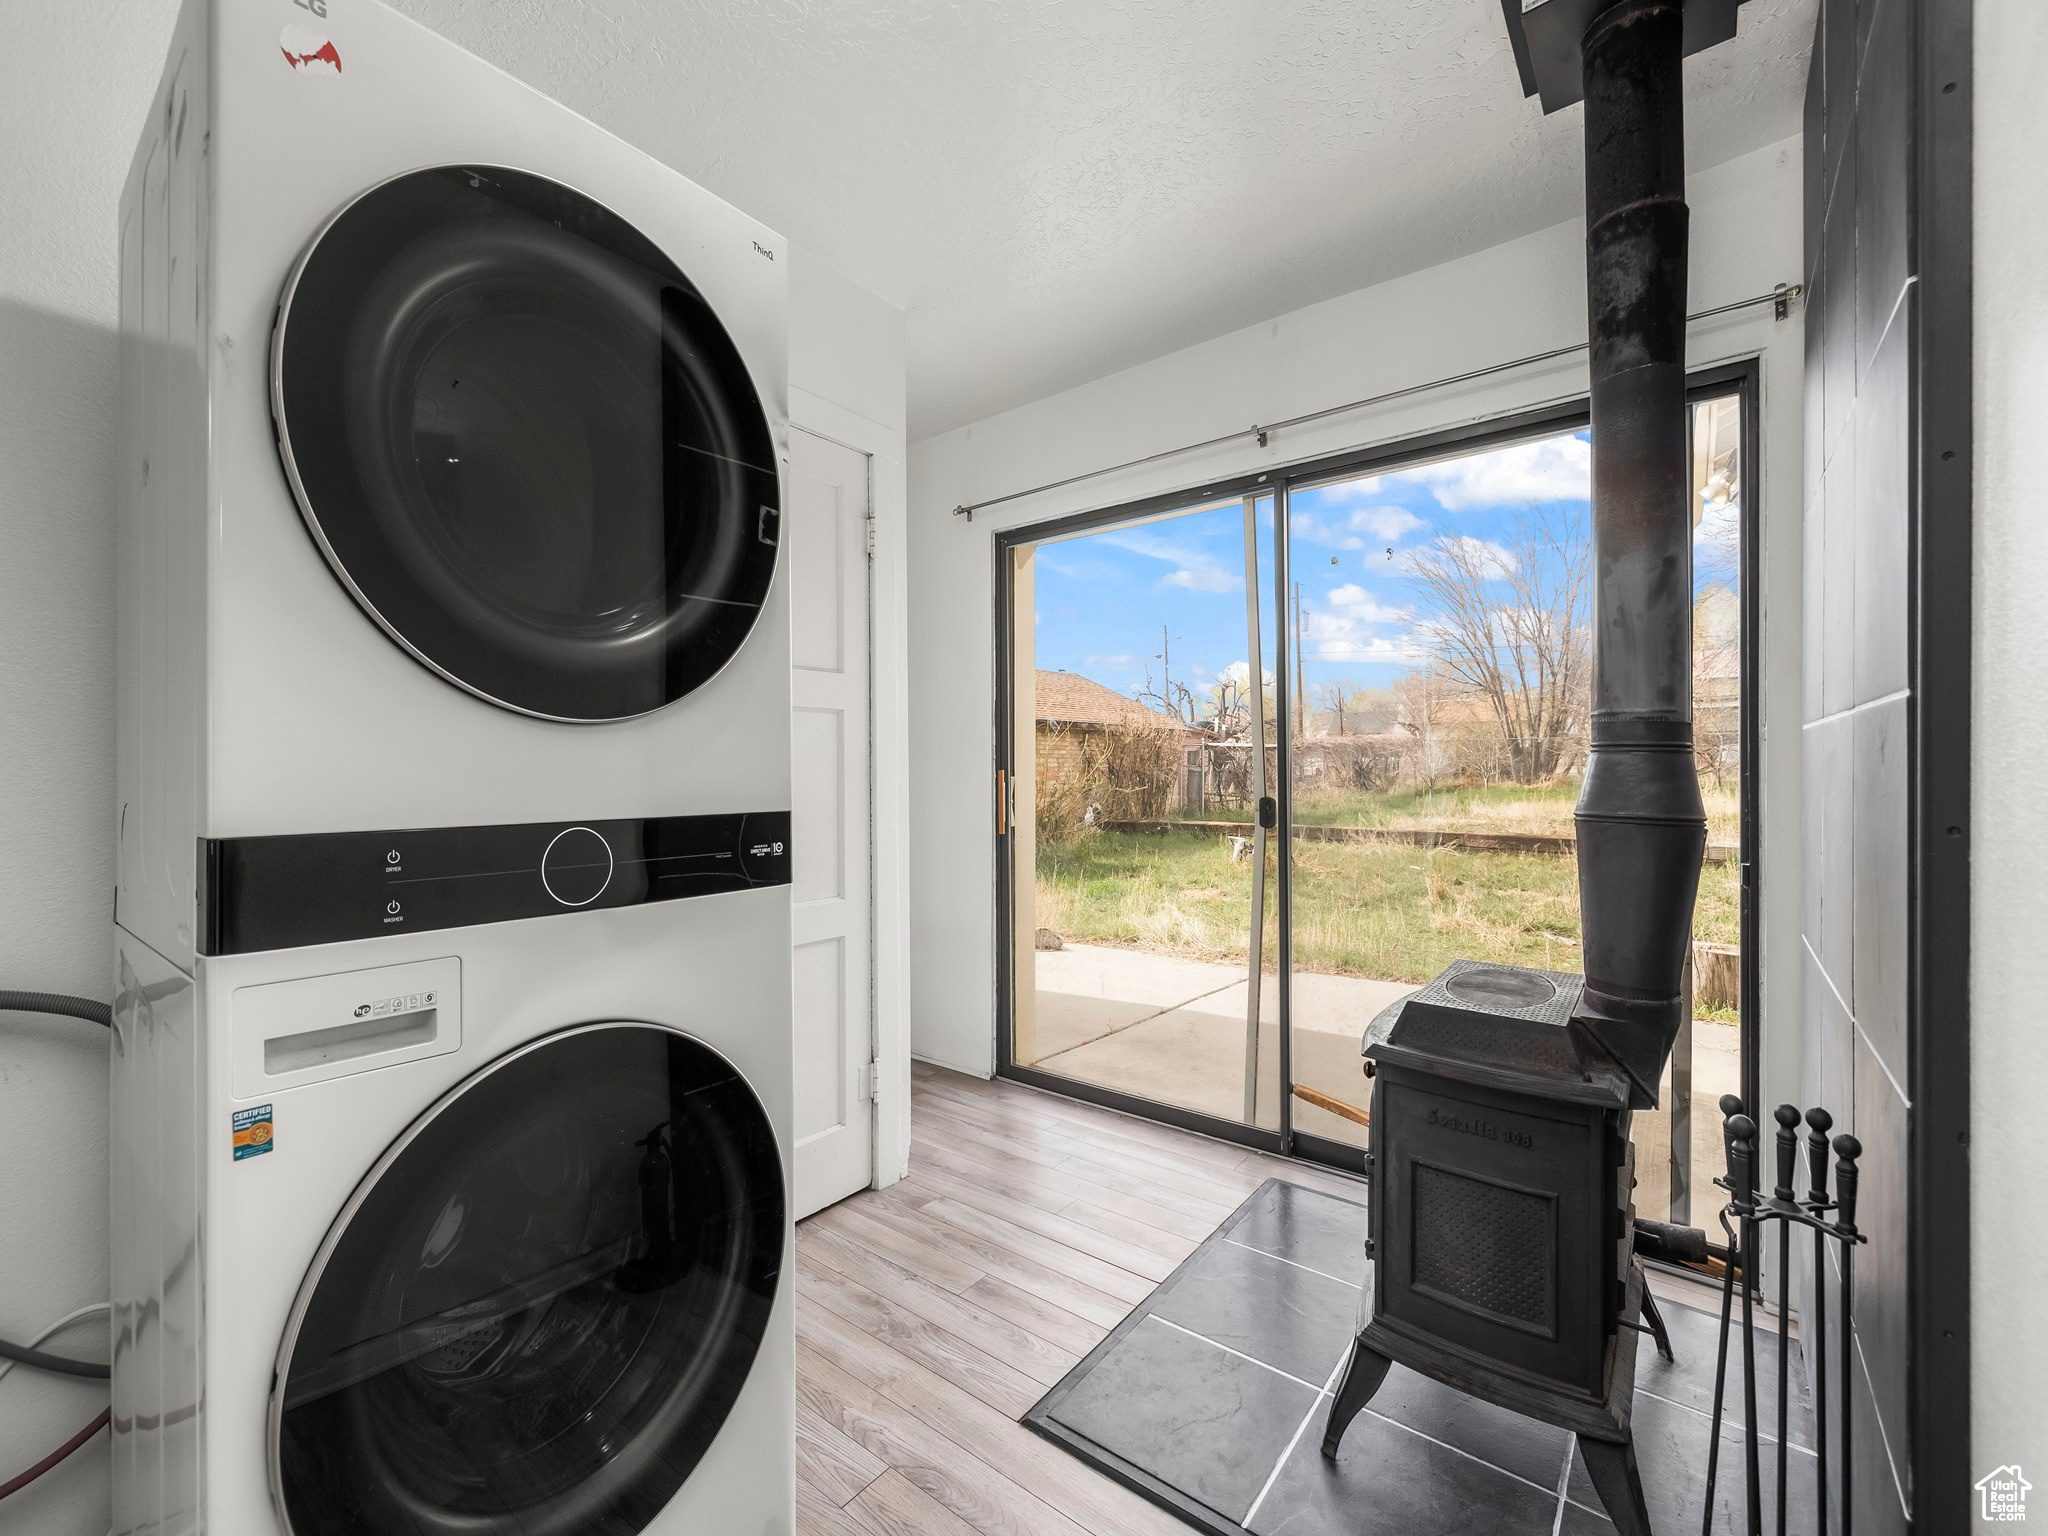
x,y
1642,828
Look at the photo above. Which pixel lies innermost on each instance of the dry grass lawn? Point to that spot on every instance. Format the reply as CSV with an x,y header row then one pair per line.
x,y
1544,809
1390,911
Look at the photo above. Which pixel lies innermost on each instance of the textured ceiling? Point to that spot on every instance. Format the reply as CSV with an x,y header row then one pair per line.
x,y
1056,189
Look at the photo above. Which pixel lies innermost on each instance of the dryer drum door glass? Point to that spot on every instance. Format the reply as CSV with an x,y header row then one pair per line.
x,y
525,443
541,1304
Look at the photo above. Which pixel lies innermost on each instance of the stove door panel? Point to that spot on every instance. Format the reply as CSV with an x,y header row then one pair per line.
x,y
1493,1237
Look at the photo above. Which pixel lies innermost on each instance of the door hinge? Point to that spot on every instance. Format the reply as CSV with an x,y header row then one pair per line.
x,y
867,1083
871,538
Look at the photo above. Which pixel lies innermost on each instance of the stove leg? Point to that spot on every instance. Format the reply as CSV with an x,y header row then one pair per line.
x,y
1612,1464
1363,1373
1655,1321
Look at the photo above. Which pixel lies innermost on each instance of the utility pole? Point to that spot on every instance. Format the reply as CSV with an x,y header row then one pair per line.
x,y
1300,677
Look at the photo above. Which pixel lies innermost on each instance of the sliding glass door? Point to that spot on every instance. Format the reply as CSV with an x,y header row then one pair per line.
x,y
1267,772
1141,729
1440,623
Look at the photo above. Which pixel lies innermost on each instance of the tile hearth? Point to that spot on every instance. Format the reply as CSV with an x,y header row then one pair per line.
x,y
1209,1399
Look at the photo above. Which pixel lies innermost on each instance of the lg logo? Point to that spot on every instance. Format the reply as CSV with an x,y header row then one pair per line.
x,y
317,7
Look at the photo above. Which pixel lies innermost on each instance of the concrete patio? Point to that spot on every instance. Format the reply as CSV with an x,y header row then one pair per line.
x,y
1173,1030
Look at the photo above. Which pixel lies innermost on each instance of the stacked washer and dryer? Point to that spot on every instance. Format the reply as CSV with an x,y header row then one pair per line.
x,y
452,1064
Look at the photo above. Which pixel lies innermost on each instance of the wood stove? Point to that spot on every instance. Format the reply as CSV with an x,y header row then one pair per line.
x,y
1501,1227
1503,1240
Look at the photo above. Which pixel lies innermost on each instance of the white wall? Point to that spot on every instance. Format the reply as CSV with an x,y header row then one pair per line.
x,y
1502,303
2009,748
72,93
73,89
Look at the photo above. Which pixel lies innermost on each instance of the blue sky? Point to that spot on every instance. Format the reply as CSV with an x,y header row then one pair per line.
x,y
1103,598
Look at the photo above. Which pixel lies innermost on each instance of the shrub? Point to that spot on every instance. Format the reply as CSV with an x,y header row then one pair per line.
x,y
1131,773
1062,810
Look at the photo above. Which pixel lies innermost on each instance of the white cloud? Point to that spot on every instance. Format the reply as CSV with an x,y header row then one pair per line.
x,y
1193,569
1398,650
1553,469
1388,523
1350,491
1359,605
1492,561
1322,532
1349,624
1717,541
1383,525
1202,578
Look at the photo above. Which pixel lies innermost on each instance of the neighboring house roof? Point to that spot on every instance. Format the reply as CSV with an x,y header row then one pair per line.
x,y
1373,720
1452,711
1071,699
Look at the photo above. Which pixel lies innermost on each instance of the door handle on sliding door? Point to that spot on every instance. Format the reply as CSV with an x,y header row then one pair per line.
x,y
1002,804
1269,812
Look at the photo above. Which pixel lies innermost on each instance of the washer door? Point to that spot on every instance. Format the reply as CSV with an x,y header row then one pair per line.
x,y
539,1307
525,443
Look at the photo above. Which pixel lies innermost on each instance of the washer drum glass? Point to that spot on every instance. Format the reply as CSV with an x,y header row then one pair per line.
x,y
541,1304
525,444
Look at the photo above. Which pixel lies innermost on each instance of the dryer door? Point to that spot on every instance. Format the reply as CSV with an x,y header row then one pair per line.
x,y
541,1303
524,443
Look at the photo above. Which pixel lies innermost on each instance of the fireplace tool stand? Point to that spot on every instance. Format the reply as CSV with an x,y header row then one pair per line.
x,y
1743,1219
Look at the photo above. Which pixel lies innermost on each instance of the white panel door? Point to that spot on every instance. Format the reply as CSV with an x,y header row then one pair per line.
x,y
828,555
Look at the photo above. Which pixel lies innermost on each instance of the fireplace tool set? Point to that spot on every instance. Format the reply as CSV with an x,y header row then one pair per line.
x,y
1744,1218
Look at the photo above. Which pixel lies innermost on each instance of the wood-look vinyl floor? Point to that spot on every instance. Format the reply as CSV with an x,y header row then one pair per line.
x,y
930,1315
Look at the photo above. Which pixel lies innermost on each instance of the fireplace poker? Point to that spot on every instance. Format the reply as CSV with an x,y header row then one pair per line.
x,y
1819,1121
1784,1198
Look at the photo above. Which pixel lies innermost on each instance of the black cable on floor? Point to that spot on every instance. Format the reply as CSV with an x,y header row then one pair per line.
x,y
59,1003
62,1365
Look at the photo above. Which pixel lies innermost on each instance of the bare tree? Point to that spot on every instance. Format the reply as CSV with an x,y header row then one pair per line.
x,y
1717,672
1423,697
1345,706
1172,698
1508,624
1230,708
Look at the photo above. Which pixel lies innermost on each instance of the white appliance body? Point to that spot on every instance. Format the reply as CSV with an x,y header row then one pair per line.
x,y
213,1251
287,761
256,698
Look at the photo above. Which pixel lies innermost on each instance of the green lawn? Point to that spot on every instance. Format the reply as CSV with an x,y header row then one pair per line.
x,y
1395,912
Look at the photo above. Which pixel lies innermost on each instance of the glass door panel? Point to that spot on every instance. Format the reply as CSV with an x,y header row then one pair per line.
x,y
1438,618
1143,926
1437,716
1678,1153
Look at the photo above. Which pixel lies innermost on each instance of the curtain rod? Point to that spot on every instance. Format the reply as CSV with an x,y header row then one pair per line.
x,y
1780,298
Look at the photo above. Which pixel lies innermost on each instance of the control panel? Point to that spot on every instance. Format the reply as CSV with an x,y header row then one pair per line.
x,y
311,1028
261,893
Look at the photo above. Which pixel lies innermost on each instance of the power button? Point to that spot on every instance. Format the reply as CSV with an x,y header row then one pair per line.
x,y
576,867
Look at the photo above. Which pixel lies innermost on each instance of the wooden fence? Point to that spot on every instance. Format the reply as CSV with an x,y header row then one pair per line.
x,y
1419,837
